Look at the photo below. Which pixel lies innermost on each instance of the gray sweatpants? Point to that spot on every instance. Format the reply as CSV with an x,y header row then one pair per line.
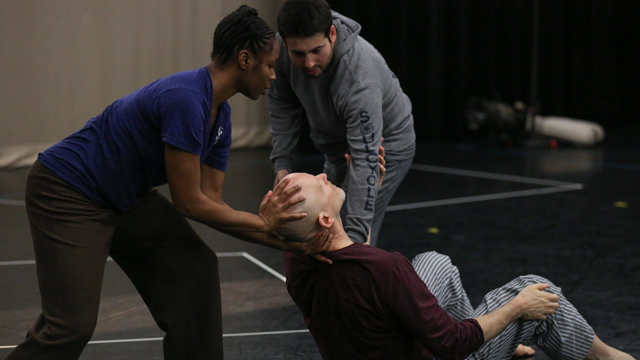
x,y
563,335
396,172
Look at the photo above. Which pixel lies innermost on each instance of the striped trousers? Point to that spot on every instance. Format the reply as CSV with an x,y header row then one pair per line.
x,y
563,335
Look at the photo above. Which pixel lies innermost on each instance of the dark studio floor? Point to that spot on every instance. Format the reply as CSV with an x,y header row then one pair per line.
x,y
569,214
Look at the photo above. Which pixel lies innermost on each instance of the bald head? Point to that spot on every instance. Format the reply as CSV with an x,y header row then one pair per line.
x,y
323,201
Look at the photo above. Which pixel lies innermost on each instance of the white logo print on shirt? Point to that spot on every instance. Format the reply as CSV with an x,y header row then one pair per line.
x,y
220,129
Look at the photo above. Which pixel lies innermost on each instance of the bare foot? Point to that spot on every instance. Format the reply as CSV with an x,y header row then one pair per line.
x,y
524,350
602,351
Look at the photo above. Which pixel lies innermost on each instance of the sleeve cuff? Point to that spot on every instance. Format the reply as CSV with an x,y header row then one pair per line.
x,y
282,164
356,236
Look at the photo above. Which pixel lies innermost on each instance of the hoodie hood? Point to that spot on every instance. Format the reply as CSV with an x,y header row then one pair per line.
x,y
348,31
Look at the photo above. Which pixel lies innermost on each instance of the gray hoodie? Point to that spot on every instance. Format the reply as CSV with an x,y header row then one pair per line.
x,y
354,102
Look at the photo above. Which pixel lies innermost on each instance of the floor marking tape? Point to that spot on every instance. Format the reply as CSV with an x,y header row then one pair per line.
x,y
264,333
220,255
19,262
262,265
487,175
285,332
469,199
554,187
561,185
12,202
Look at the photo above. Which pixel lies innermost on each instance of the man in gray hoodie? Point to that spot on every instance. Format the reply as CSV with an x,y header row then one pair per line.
x,y
352,101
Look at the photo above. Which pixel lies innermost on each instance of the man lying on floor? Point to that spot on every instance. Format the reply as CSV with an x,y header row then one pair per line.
x,y
373,304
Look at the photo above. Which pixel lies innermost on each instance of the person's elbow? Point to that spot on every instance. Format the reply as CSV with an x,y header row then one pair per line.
x,y
187,206
183,209
458,344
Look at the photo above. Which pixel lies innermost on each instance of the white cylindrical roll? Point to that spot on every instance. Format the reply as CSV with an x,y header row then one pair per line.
x,y
580,132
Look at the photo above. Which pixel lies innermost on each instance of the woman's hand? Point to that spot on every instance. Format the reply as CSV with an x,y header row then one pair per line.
x,y
275,205
320,243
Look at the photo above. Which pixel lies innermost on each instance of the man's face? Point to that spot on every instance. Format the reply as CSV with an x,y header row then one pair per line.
x,y
261,73
330,197
334,194
312,54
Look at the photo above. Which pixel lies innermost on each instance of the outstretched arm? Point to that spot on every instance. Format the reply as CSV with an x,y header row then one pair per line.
x,y
196,192
381,162
361,108
532,303
285,111
383,170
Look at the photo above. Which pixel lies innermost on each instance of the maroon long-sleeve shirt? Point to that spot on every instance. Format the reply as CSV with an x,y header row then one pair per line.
x,y
371,304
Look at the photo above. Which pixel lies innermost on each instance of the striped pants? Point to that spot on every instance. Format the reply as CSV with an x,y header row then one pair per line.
x,y
563,335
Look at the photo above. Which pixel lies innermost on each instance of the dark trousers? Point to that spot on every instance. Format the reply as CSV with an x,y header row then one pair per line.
x,y
174,271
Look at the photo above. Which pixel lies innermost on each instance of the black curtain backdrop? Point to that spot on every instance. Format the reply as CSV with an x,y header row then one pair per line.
x,y
446,51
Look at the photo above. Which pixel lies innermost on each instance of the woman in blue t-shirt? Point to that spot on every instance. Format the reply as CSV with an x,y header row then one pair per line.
x,y
93,195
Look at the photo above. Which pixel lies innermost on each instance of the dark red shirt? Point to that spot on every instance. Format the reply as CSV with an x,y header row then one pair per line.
x,y
371,304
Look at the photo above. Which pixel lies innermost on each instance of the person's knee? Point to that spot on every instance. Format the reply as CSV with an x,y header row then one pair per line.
x,y
526,280
431,258
206,261
533,279
79,331
433,268
211,260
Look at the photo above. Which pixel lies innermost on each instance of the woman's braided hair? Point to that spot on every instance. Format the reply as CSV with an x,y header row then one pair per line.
x,y
240,30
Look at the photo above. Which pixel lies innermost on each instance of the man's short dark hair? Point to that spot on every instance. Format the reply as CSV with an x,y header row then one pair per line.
x,y
304,18
241,30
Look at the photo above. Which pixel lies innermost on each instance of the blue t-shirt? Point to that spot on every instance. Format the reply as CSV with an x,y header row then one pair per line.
x,y
118,157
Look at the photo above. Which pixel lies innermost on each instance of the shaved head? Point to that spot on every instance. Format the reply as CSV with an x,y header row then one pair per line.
x,y
322,199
